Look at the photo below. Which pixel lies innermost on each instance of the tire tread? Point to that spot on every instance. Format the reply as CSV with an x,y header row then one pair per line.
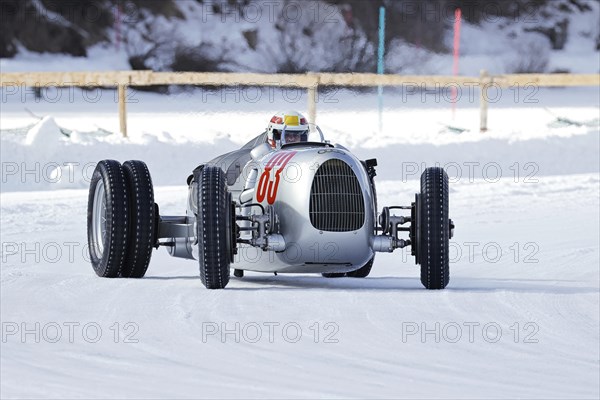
x,y
214,258
110,263
142,219
435,270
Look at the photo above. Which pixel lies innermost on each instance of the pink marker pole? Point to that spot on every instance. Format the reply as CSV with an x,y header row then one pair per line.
x,y
457,18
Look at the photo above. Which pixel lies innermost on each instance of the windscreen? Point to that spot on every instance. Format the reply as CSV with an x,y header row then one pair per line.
x,y
312,134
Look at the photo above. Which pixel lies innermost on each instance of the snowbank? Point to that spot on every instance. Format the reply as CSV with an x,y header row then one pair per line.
x,y
45,158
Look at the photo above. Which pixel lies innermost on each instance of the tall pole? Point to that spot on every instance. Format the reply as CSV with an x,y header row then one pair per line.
x,y
380,66
457,19
118,26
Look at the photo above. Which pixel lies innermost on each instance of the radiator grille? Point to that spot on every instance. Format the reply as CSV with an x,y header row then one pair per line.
x,y
336,200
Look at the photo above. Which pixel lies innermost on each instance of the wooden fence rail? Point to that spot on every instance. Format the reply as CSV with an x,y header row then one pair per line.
x,y
309,81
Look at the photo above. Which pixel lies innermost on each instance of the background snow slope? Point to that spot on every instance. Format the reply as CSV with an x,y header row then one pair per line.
x,y
192,127
316,37
524,266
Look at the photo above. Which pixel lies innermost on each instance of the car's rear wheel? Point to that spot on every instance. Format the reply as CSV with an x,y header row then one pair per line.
x,y
433,229
108,219
213,224
142,219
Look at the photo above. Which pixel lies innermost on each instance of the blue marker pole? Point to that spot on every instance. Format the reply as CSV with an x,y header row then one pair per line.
x,y
380,52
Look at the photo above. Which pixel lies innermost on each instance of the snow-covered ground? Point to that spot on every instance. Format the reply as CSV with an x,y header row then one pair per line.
x,y
520,317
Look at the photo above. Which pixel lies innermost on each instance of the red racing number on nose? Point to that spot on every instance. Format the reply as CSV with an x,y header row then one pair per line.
x,y
267,187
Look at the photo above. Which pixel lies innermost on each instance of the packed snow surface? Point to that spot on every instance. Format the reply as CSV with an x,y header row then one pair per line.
x,y
520,317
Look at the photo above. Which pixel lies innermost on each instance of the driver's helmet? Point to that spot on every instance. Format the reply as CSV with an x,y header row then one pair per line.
x,y
296,128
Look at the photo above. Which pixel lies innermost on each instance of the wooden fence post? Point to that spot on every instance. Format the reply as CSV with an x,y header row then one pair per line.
x,y
123,109
483,100
313,93
312,104
310,81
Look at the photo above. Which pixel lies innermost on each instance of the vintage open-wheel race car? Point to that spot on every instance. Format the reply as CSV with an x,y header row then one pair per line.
x,y
296,207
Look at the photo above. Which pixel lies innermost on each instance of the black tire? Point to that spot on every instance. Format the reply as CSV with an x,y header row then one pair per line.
x,y
434,230
213,227
108,246
333,274
142,219
362,272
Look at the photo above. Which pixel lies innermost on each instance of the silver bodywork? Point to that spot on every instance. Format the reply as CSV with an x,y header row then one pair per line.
x,y
307,249
286,240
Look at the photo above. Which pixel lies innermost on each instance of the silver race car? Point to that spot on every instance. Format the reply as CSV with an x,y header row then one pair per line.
x,y
283,203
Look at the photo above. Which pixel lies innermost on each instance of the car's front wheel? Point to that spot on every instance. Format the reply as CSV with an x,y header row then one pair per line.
x,y
213,226
434,229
